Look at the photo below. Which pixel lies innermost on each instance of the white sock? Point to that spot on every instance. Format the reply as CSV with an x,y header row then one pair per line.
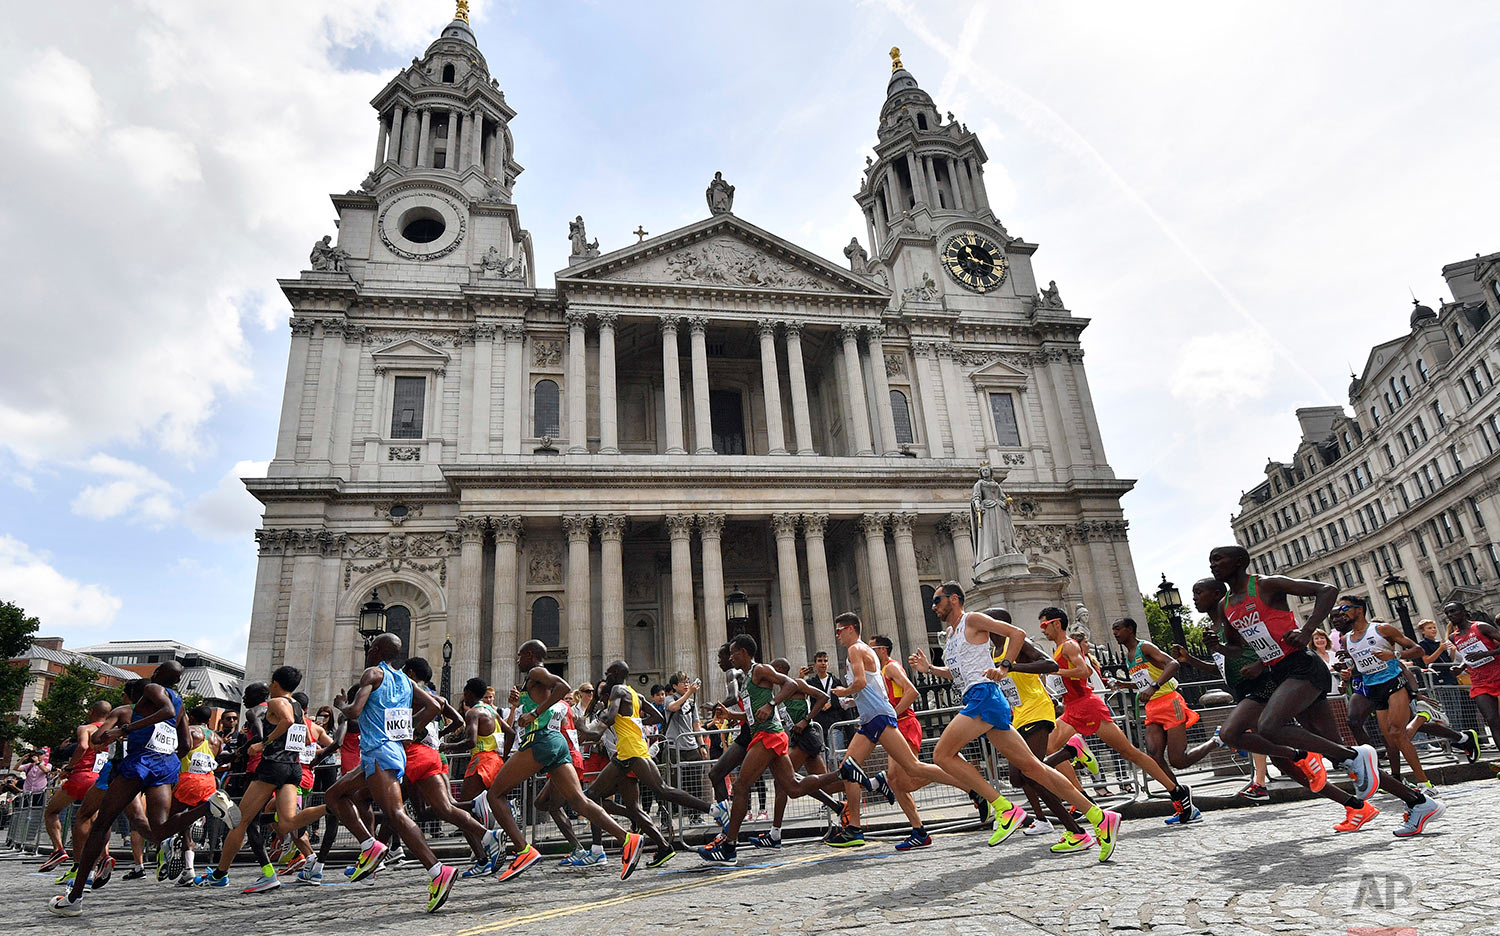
x,y
317,867
435,870
187,861
367,844
597,850
776,833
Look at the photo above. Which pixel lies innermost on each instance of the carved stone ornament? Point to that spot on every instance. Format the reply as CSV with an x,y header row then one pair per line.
x,y
386,340
720,195
873,525
679,526
784,525
494,191
545,567
578,527
456,220
859,259
902,524
370,182
814,524
404,453
1050,298
546,352
925,565
578,237
640,585
710,526
471,529
494,266
327,257
1013,459
507,528
611,526
895,365
725,262
925,291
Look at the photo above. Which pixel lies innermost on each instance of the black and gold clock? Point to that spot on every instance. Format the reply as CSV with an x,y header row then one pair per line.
x,y
975,261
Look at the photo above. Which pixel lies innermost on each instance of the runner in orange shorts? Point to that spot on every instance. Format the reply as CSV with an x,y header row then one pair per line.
x,y
1153,678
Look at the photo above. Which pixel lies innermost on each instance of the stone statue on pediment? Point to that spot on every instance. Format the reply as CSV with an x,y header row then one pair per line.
x,y
859,259
1050,298
326,257
720,195
494,266
579,238
493,191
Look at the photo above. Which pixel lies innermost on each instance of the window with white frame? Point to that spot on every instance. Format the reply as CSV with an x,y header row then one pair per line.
x,y
901,415
546,419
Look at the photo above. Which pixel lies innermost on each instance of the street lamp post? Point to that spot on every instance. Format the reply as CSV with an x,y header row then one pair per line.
x,y
1398,593
737,611
372,618
1169,599
446,686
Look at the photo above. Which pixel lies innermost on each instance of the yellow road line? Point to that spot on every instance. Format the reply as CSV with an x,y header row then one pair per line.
x,y
557,912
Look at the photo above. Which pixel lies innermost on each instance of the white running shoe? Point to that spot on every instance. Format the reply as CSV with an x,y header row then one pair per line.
x,y
224,809
1038,826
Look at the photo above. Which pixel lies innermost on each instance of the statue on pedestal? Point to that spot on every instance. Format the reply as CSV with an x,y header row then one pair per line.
x,y
579,239
328,258
720,195
992,530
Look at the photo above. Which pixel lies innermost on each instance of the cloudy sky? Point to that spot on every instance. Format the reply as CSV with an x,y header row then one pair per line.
x,y
1239,196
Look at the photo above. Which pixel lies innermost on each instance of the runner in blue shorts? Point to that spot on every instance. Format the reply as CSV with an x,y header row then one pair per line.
x,y
986,711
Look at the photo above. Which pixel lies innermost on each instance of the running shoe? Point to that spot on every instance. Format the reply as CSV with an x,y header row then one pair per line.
x,y
850,772
62,906
917,839
265,883
185,879
661,858
1355,819
481,810
1036,825
1072,843
1107,829
369,860
1256,792
135,873
1083,756
631,856
276,848
1317,774
719,852
765,840
310,876
102,872
1470,745
177,861
883,787
1007,823
1418,816
211,879
441,886
1183,804
68,876
394,858
479,868
1192,815
61,855
1366,770
845,837
163,852
224,809
844,819
573,859
981,805
719,812
493,843
297,863
528,857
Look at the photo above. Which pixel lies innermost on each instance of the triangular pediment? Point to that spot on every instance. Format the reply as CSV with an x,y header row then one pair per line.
x,y
999,373
722,252
407,352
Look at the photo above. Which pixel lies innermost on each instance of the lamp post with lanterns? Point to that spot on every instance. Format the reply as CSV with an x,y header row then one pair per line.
x,y
372,618
1169,599
445,688
737,611
1398,593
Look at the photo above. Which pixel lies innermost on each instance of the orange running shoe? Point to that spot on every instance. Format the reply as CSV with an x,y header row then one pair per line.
x,y
1355,819
1317,774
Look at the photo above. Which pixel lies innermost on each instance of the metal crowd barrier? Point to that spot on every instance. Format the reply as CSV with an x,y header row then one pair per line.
x,y
27,828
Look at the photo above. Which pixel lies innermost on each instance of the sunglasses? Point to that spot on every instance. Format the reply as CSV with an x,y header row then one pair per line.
x,y
1052,621
1346,607
938,598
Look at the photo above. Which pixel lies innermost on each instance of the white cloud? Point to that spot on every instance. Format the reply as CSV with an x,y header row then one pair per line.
x,y
56,102
28,579
157,158
228,513
1214,370
135,492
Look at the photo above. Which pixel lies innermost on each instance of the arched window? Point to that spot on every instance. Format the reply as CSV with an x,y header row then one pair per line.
x,y
545,419
447,74
901,413
398,622
545,618
922,121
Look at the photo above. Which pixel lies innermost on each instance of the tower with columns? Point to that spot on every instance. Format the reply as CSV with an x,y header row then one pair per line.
x,y
599,463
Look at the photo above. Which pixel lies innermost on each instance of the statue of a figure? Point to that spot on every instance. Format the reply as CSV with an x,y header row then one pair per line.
x,y
1050,297
371,181
326,258
1081,615
989,515
720,195
494,191
494,266
859,260
579,238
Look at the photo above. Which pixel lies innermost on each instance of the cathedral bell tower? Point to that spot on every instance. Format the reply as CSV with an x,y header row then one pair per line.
x,y
933,235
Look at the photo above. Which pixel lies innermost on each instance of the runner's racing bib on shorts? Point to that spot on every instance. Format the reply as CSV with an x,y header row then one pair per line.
x,y
296,739
1012,694
202,762
100,760
163,739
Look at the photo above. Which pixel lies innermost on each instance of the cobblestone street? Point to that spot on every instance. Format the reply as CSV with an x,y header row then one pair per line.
x,y
1272,869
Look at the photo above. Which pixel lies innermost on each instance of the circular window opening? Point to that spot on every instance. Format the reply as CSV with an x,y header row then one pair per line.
x,y
422,225
399,510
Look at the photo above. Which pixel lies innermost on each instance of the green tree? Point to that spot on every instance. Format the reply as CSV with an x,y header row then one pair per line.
x,y
16,630
1161,628
64,708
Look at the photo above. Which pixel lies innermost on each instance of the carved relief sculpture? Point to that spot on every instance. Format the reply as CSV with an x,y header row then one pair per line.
x,y
494,266
326,257
545,567
925,291
723,263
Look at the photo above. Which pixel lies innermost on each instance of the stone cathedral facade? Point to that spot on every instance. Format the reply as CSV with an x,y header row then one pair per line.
x,y
598,461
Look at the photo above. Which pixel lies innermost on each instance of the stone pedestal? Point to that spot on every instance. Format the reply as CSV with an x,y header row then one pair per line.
x,y
1023,594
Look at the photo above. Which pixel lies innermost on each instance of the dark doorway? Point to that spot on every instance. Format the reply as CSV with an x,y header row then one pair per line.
x,y
398,622
727,414
751,627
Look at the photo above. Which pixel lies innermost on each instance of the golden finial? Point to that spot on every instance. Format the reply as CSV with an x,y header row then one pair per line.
x,y
895,59
463,11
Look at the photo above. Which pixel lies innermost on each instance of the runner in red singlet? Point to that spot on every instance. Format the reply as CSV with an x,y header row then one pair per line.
x,y
1256,609
82,771
1478,645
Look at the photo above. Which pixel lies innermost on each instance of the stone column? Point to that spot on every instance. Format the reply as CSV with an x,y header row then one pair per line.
x,y
959,423
671,384
576,593
801,414
960,185
770,382
910,581
514,420
578,415
425,139
963,547
682,637
291,394
793,634
410,130
859,413
503,623
612,587
306,548
463,618
450,152
398,124
927,397
930,171
476,139
715,626
885,416
814,525
261,650
981,197
481,390
330,356
381,141
918,180
703,431
884,597
609,415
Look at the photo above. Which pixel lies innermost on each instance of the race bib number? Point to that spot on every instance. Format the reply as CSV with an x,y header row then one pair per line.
x,y
783,717
1471,647
1258,638
1141,678
1011,693
432,739
296,738
309,752
1219,662
398,723
100,760
1054,684
163,739
201,762
1365,660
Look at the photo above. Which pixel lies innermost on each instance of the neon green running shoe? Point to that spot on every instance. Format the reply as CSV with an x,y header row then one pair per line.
x,y
1006,823
1107,829
1083,756
1072,843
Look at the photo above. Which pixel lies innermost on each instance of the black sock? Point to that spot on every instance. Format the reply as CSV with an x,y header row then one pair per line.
x,y
1299,755
1354,802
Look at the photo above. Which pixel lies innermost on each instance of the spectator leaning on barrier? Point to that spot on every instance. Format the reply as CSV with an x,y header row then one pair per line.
x,y
682,731
819,676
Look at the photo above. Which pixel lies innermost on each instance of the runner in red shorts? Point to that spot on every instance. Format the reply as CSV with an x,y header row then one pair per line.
x,y
83,770
1084,714
902,696
1478,645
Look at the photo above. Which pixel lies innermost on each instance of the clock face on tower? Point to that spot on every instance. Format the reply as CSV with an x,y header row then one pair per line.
x,y
975,261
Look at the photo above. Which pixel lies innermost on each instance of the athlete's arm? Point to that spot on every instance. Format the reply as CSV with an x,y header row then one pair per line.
x,y
817,696
1013,635
164,711
1078,667
1198,663
650,714
856,677
1408,648
1032,660
283,711
424,709
557,689
919,662
786,687
368,683
908,691
1168,665
611,711
470,736
1275,588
